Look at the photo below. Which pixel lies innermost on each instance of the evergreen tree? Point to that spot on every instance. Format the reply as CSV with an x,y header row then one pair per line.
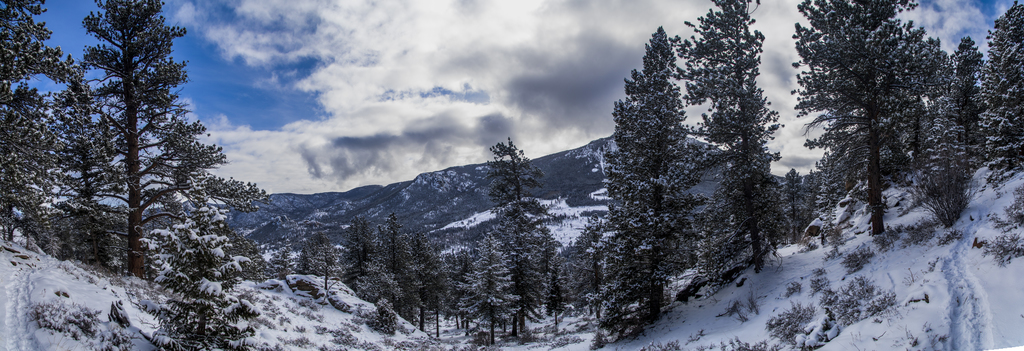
x,y
520,224
722,67
256,270
321,258
648,176
964,93
360,248
280,264
27,144
160,154
794,200
556,297
588,265
944,187
459,267
193,263
489,299
432,281
1002,88
862,66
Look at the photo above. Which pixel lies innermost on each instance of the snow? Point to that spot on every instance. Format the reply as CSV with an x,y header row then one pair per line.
x,y
472,221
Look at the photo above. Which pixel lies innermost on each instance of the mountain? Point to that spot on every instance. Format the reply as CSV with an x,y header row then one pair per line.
x,y
451,204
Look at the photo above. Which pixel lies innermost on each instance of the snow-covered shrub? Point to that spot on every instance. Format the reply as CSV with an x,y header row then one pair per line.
x,y
857,300
793,288
81,324
856,259
669,346
1005,248
809,246
384,318
885,240
945,193
736,309
600,340
833,254
1014,212
737,345
566,341
951,235
819,284
919,233
791,322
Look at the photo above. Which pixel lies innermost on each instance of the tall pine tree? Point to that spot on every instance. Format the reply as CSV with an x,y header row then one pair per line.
x,y
490,299
648,175
861,67
1002,88
521,228
159,150
722,67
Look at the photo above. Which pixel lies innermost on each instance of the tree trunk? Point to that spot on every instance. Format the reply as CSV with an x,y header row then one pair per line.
x,y
423,317
492,333
875,180
136,259
437,319
654,301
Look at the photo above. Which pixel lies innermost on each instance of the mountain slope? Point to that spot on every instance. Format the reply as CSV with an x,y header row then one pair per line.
x,y
436,202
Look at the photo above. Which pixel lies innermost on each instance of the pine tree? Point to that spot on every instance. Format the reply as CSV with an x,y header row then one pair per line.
x,y
321,258
160,154
360,248
722,67
489,299
794,200
256,270
588,262
648,176
27,143
193,263
556,299
521,228
432,282
280,264
862,66
964,92
1002,89
944,187
459,267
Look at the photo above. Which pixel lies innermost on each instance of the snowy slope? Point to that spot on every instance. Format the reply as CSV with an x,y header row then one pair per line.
x,y
972,303
74,300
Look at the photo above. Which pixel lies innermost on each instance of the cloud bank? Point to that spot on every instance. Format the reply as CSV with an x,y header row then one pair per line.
x,y
414,86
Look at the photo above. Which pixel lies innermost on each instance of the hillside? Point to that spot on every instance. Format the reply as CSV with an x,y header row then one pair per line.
x,y
450,204
927,289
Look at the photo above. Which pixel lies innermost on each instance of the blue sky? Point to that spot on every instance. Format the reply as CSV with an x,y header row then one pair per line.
x,y
326,95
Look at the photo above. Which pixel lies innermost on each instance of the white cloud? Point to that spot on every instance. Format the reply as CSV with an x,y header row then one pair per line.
x,y
413,86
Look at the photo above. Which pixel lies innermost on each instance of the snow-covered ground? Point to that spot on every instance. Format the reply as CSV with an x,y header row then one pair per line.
x,y
947,297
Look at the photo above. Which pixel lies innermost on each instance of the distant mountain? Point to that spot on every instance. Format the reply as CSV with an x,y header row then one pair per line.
x,y
451,205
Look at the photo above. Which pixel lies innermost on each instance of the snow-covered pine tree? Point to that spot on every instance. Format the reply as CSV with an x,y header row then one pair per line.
x,y
648,176
588,265
161,154
87,159
721,66
862,65
281,263
27,144
490,299
555,302
1002,89
192,263
360,248
256,270
964,93
794,205
521,227
397,257
459,267
433,283
321,258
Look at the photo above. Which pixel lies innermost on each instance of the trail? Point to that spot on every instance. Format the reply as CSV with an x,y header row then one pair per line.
x,y
16,333
970,318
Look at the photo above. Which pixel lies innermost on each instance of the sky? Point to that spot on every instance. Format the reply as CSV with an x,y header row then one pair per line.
x,y
312,96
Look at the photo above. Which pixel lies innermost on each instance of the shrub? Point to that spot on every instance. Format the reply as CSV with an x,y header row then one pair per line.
x,y
819,284
793,288
833,254
951,236
1005,248
857,300
1015,212
81,324
856,260
669,346
945,193
884,241
919,233
737,310
600,340
789,323
384,319
566,341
